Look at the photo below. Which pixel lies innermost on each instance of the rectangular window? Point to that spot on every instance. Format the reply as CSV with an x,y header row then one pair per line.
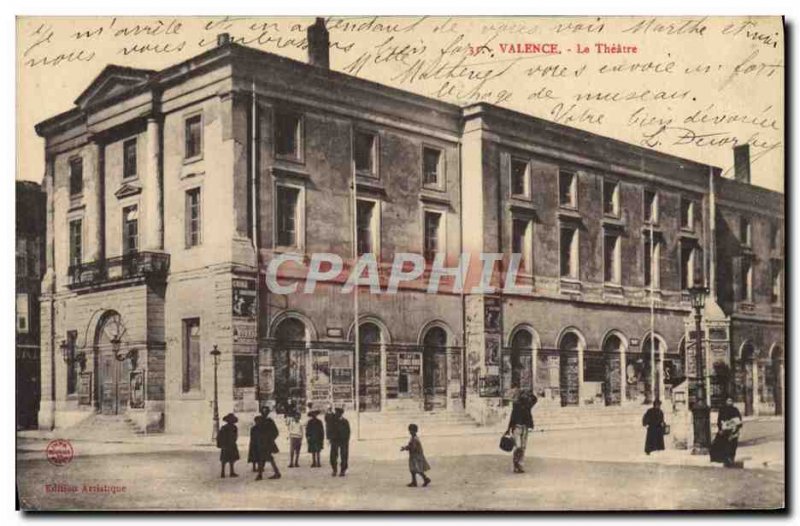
x,y
652,264
774,236
432,238
746,280
288,135
244,371
72,371
521,243
22,258
23,314
611,198
192,218
191,355
193,136
129,158
366,153
431,166
366,219
687,214
75,242
745,232
687,266
569,252
76,176
287,216
520,178
611,259
650,206
567,189
130,229
776,268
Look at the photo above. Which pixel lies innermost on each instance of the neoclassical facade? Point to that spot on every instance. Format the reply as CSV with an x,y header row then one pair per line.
x,y
169,192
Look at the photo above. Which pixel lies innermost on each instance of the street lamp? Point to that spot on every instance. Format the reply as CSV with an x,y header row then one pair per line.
x,y
701,413
215,428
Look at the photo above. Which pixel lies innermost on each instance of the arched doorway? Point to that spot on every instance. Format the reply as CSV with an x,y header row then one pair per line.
x,y
434,369
289,363
613,351
748,359
369,367
113,375
570,348
521,360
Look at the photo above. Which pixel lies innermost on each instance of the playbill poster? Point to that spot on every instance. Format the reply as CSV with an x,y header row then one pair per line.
x,y
400,263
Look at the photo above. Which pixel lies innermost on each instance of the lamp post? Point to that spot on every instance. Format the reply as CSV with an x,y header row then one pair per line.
x,y
215,427
701,413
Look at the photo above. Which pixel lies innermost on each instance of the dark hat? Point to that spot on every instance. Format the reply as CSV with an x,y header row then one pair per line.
x,y
339,410
313,413
230,418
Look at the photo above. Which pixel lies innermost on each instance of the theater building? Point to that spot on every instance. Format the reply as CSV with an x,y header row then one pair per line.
x,y
170,192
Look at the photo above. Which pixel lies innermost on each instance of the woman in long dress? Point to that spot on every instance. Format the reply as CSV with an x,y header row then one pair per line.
x,y
654,421
729,425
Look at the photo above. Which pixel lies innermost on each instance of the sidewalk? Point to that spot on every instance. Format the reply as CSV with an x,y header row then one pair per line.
x,y
761,446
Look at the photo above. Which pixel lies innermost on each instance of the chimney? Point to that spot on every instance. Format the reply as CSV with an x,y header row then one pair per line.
x,y
318,44
223,39
741,163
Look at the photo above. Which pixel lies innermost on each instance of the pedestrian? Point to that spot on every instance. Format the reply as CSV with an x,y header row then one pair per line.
x,y
417,464
226,442
339,435
296,430
267,436
252,458
653,419
329,416
519,425
315,436
729,426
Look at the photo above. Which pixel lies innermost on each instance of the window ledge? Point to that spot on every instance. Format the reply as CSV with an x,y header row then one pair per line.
x,y
192,160
570,286
613,289
569,213
192,395
291,172
290,158
434,199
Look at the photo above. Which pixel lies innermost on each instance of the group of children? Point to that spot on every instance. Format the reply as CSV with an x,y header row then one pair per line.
x,y
264,433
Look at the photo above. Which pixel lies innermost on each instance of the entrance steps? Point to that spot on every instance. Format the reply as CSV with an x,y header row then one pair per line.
x,y
105,428
394,424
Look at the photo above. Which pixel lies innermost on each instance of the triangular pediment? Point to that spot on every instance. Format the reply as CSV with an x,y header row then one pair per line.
x,y
112,81
127,190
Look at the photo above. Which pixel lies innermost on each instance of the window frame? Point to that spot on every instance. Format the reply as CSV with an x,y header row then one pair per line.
x,y
573,189
441,237
746,231
776,282
617,258
186,118
125,144
527,260
375,172
655,272
687,274
440,183
300,226
689,224
574,254
75,190
299,135
526,183
27,317
616,207
746,280
374,226
125,223
654,206
187,220
72,252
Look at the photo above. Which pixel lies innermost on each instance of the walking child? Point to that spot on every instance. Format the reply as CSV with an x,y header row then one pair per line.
x,y
417,463
315,436
295,439
226,442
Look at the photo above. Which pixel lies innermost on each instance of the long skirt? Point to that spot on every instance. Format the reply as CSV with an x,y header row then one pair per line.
x,y
723,449
655,439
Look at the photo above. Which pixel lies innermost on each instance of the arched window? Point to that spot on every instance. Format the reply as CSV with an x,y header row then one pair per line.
x,y
612,376
521,357
434,368
369,366
288,361
570,347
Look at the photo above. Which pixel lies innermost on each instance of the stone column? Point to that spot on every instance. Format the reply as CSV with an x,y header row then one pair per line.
x,y
46,417
580,374
383,376
153,238
623,380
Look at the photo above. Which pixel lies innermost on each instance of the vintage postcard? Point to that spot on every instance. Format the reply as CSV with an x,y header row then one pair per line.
x,y
400,263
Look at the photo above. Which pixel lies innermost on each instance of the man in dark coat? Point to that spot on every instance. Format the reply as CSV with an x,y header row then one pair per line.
x,y
653,419
729,425
519,425
267,436
339,435
226,442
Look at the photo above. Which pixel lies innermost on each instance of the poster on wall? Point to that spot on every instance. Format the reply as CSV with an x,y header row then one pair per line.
x,y
489,385
137,389
491,314
342,376
320,368
266,382
244,298
492,349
